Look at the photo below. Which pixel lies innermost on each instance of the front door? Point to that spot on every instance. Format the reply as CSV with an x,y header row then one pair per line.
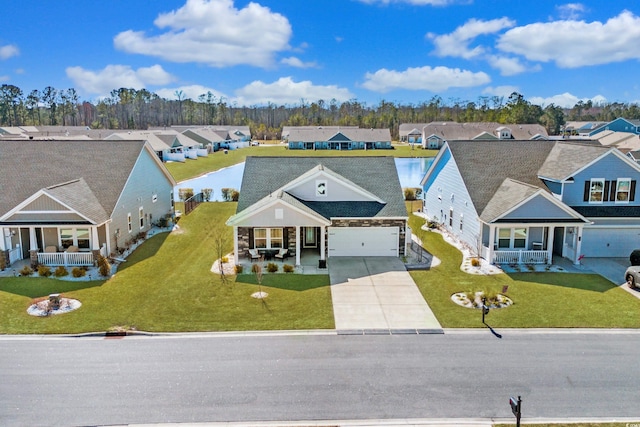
x,y
309,237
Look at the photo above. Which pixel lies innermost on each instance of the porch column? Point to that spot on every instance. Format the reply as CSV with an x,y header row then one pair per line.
x,y
107,233
492,241
322,244
95,244
3,238
33,239
577,243
297,245
235,244
550,245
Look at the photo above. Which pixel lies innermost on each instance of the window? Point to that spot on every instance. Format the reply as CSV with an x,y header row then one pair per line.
x,y
461,221
141,217
75,237
623,188
596,191
504,238
519,238
450,217
154,198
129,227
172,201
267,238
82,235
260,238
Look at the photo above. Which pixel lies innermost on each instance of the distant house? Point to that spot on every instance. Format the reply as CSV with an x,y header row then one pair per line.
x,y
339,139
327,206
218,138
435,134
72,200
618,125
527,201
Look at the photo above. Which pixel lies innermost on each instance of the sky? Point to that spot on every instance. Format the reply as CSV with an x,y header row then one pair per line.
x,y
289,52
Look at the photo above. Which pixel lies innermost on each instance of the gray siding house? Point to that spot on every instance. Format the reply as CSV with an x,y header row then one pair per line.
x,y
64,202
527,201
326,206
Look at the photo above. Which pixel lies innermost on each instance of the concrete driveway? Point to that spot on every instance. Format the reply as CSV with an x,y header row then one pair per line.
x,y
612,269
377,295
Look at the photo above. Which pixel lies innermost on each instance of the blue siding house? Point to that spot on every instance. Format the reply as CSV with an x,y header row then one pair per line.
x,y
320,138
618,125
528,201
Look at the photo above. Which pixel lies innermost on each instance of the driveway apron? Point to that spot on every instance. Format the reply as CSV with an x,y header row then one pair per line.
x,y
377,294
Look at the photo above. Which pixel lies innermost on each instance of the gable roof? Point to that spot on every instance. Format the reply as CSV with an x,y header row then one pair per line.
x,y
453,131
60,168
352,134
484,165
376,175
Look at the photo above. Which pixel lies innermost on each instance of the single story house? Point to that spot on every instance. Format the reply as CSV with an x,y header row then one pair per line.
x,y
339,139
527,201
435,134
64,202
331,206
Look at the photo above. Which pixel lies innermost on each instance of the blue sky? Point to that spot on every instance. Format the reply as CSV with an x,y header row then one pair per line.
x,y
292,51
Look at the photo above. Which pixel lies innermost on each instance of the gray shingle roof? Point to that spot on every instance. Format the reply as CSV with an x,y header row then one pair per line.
x,y
31,165
566,158
453,131
378,175
353,134
484,165
508,195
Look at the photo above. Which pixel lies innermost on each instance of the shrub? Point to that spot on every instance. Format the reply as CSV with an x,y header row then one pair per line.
x,y
141,236
3,261
61,271
238,269
224,259
163,221
104,266
433,223
272,267
26,271
185,193
287,268
255,268
235,195
635,257
44,271
409,194
475,262
78,272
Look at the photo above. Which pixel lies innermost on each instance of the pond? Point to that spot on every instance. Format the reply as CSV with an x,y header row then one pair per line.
x,y
410,172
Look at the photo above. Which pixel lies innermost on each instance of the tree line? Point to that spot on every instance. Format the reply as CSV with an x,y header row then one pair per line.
x,y
128,108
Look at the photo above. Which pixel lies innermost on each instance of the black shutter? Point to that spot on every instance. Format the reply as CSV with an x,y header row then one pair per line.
x,y
587,187
614,190
632,193
251,238
605,192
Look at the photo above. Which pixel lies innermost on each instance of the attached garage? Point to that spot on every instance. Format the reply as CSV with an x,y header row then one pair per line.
x,y
363,241
610,242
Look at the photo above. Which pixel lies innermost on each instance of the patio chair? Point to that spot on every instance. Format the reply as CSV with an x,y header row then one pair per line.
x,y
72,249
254,254
51,249
282,254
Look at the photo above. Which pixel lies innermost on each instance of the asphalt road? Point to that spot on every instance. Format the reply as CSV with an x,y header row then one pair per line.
x,y
90,381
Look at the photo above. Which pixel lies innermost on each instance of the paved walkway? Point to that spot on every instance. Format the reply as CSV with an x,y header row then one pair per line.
x,y
377,295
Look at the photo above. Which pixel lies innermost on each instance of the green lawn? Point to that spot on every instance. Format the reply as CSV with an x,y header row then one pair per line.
x,y
219,160
541,300
166,285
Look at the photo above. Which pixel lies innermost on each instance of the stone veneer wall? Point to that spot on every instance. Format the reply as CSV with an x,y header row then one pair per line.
x,y
400,223
243,241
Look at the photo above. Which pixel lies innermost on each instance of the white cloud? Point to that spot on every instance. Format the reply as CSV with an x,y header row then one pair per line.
x,y
500,90
565,100
571,10
292,61
188,92
435,79
4,78
508,66
286,91
456,44
111,77
215,33
8,50
572,44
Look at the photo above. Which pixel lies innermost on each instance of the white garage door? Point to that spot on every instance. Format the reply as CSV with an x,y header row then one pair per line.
x,y
363,241
610,242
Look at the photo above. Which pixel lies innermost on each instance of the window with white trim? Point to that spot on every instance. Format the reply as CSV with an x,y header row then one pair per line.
x,y
141,217
268,238
450,217
596,190
512,238
79,237
129,226
623,189
461,221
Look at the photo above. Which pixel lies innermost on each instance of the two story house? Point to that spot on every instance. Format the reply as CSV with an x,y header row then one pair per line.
x,y
527,201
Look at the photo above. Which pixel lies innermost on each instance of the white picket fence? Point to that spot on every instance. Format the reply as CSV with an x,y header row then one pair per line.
x,y
73,259
520,257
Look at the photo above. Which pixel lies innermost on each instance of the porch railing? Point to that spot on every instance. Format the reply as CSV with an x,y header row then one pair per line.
x,y
15,254
74,259
521,257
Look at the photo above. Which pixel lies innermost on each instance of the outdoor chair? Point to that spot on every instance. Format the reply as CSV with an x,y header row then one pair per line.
x,y
282,254
72,249
254,254
51,249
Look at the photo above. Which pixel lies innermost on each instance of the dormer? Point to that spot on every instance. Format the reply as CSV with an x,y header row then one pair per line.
x,y
503,132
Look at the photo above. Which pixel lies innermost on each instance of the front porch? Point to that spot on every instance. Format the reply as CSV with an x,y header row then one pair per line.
x,y
309,263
